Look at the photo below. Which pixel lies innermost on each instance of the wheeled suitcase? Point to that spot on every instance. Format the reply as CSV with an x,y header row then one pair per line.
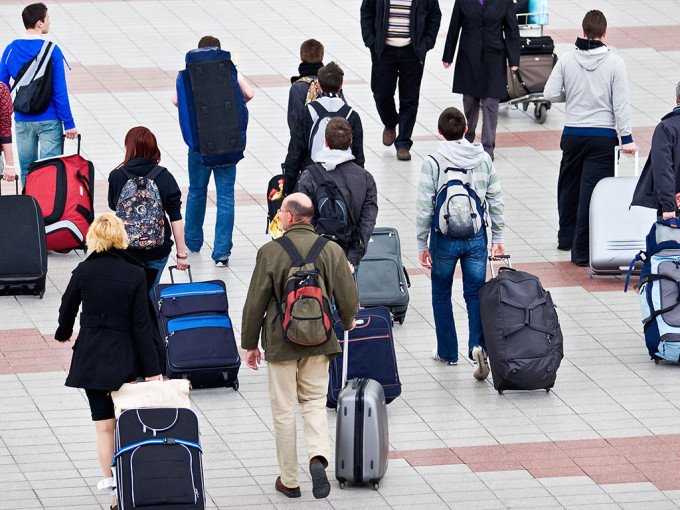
x,y
521,331
22,246
372,354
64,188
158,461
194,320
617,231
381,277
361,430
532,75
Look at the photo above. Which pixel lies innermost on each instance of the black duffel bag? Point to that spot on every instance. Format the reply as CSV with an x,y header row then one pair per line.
x,y
542,45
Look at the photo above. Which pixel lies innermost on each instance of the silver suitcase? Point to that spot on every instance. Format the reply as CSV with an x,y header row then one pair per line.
x,y
617,231
362,437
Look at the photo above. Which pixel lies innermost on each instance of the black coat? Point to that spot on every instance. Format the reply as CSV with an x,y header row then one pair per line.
x,y
115,343
425,20
488,36
660,178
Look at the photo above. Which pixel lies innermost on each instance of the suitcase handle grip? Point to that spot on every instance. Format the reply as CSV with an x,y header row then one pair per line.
x,y
345,358
617,157
172,278
504,257
63,139
16,183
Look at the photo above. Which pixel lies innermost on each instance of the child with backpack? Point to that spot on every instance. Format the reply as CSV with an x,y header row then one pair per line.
x,y
458,189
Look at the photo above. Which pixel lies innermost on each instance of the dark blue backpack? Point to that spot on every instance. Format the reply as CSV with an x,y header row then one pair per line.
x,y
212,110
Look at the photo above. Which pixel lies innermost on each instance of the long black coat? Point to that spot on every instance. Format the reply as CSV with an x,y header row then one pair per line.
x,y
488,36
115,343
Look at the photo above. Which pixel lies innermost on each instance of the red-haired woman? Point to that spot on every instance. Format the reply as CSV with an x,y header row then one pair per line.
x,y
6,110
144,195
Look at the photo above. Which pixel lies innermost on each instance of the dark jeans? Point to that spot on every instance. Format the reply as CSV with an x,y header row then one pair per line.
x,y
489,120
585,161
397,64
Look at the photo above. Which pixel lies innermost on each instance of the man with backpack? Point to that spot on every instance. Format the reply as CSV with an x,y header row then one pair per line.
x,y
344,194
288,302
42,111
458,188
309,135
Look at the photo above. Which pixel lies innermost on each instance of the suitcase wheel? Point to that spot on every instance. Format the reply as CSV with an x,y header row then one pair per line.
x,y
547,390
656,361
540,113
342,485
500,392
401,320
376,486
235,385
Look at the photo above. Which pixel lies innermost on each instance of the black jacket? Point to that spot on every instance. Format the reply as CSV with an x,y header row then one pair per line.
x,y
425,20
361,195
115,343
660,178
171,196
490,35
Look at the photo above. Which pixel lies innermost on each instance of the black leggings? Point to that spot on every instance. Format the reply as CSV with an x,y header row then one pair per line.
x,y
101,405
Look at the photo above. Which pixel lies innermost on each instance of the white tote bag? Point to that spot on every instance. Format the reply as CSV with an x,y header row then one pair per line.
x,y
166,393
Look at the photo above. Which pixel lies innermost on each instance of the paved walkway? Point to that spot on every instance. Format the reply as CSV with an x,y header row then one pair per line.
x,y
607,436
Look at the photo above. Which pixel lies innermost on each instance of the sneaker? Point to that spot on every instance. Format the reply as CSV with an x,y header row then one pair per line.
x,y
321,487
482,363
289,493
222,262
435,356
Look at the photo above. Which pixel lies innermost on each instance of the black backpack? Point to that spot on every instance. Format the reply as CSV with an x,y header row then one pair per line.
x,y
333,216
32,88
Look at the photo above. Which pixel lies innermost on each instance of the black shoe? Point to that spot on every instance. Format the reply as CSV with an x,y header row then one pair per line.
x,y
321,487
222,262
289,493
564,247
581,263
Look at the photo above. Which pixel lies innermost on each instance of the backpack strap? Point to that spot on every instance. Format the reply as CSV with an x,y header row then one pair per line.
x,y
155,171
126,173
320,110
315,250
294,253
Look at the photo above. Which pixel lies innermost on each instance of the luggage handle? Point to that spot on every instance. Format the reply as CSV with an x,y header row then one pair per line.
x,y
172,278
345,359
507,260
617,157
63,139
16,183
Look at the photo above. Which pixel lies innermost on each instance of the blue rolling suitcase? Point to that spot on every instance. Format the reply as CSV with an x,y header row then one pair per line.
x,y
194,320
371,356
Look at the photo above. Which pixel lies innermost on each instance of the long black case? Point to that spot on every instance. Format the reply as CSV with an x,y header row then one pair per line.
x,y
381,277
158,462
193,319
23,247
540,45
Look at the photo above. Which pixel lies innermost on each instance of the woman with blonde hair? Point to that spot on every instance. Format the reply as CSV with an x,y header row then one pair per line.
x,y
115,343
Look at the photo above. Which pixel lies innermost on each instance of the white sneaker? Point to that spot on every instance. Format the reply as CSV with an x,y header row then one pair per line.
x,y
435,356
482,363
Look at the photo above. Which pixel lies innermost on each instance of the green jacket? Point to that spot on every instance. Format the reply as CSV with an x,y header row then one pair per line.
x,y
261,310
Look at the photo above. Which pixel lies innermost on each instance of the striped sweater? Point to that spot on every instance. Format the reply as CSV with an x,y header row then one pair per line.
x,y
484,181
399,23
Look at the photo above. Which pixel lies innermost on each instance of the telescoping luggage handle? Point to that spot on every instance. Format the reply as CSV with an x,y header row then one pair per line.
x,y
617,157
16,183
504,257
172,278
63,139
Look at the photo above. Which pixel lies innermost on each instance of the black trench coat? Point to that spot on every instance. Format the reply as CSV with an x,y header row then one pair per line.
x,y
488,36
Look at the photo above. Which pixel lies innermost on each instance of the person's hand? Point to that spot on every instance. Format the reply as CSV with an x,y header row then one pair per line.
x,y
354,325
497,250
63,341
425,259
253,358
669,215
351,267
446,65
71,134
628,148
182,261
9,174
514,68
158,377
677,200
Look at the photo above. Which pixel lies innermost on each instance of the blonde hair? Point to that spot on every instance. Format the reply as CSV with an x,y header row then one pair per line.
x,y
107,231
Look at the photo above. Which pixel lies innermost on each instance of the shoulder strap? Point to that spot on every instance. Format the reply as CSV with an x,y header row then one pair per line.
x,y
320,110
344,111
315,250
155,171
291,250
126,173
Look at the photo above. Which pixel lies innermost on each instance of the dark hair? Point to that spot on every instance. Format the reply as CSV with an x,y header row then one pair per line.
x,y
302,213
33,13
594,24
140,142
311,51
338,134
330,78
208,41
452,124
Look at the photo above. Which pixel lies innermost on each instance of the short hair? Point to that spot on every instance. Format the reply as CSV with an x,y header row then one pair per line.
x,y
208,41
140,142
107,231
452,124
338,134
677,90
330,78
594,24
33,13
311,51
300,206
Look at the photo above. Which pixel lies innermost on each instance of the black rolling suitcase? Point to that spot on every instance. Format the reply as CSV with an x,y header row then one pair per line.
x,y
194,321
23,248
521,330
158,462
381,277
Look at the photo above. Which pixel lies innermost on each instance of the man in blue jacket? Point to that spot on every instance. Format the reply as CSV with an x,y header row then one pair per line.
x,y
33,130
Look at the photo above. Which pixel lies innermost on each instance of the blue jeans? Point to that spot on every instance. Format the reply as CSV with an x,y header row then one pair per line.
x,y
158,264
46,133
199,177
472,254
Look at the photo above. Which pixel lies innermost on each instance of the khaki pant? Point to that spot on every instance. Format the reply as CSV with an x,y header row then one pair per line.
x,y
305,381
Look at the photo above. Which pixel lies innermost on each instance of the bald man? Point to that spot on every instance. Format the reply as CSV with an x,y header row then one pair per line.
x,y
296,373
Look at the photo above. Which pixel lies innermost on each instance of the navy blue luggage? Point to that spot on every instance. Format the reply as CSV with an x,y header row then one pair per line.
x,y
194,320
371,356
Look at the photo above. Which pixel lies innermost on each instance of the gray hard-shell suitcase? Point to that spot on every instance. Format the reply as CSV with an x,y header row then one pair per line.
x,y
617,230
361,431
381,277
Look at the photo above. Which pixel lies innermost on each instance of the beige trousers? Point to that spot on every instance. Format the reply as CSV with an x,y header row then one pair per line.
x,y
305,381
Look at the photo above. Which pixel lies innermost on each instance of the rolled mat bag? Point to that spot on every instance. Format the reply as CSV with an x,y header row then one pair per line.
x,y
152,394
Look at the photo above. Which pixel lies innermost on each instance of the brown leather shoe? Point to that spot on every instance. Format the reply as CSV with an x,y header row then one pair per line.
x,y
389,135
403,154
289,493
321,487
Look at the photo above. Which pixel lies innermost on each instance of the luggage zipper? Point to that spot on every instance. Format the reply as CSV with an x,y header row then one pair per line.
x,y
188,294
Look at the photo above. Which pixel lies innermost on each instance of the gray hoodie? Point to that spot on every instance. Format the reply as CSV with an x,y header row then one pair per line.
x,y
330,158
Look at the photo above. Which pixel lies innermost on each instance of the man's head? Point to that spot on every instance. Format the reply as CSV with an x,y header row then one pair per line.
x,y
594,25
35,17
208,41
296,208
452,124
338,134
311,51
677,93
330,78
